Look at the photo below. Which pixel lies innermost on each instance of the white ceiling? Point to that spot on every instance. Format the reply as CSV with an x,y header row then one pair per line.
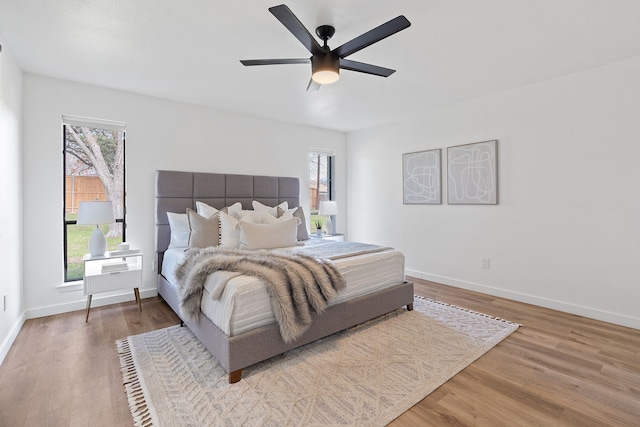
x,y
454,51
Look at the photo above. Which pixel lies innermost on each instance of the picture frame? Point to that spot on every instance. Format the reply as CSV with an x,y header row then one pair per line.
x,y
472,173
422,177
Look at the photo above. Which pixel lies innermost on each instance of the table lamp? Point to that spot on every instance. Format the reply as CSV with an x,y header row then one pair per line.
x,y
96,213
328,208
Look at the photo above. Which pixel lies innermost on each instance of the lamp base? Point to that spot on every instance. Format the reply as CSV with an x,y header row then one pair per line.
x,y
97,243
328,226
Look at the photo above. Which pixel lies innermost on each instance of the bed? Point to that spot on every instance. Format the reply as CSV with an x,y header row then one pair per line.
x,y
242,346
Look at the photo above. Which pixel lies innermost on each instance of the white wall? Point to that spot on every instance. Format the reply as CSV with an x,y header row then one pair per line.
x,y
564,235
566,232
12,318
161,134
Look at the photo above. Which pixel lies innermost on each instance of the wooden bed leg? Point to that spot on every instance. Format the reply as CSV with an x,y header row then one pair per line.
x,y
235,376
410,307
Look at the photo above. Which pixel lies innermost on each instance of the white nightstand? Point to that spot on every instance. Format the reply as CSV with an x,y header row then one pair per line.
x,y
112,272
335,237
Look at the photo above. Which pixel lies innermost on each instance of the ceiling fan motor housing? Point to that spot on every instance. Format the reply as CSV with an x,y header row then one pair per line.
x,y
325,68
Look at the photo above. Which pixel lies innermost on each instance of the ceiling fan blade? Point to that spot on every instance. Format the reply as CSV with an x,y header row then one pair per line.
x,y
313,86
370,37
361,67
248,62
293,24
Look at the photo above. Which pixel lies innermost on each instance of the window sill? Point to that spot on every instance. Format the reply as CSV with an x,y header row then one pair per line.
x,y
70,286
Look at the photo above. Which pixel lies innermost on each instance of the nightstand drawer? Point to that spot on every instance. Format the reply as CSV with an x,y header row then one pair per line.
x,y
113,281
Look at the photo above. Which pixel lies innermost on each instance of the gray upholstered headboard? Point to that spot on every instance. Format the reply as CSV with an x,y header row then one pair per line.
x,y
177,191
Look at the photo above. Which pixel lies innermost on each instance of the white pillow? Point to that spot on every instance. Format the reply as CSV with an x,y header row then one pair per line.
x,y
234,208
205,210
229,231
303,233
267,236
242,214
261,218
259,207
179,225
257,217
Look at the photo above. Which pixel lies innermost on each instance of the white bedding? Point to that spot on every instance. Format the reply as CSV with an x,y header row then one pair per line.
x,y
245,304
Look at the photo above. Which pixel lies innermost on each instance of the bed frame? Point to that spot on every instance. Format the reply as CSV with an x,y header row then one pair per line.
x,y
177,191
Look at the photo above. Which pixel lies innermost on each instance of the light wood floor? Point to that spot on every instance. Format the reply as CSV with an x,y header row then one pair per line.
x,y
62,371
556,370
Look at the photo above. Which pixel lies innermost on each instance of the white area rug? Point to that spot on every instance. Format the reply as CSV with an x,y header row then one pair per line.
x,y
365,376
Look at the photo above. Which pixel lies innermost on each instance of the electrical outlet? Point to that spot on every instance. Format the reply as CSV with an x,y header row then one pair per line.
x,y
484,263
153,265
4,302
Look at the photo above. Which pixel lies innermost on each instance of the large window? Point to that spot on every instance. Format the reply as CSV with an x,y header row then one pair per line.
x,y
320,183
94,169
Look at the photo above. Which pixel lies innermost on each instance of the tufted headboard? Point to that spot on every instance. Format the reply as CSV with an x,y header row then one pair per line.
x,y
176,191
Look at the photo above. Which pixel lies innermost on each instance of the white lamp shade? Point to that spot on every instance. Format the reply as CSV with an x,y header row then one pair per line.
x,y
95,213
328,207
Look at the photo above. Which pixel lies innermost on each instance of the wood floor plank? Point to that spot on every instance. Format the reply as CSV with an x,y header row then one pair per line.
x,y
557,369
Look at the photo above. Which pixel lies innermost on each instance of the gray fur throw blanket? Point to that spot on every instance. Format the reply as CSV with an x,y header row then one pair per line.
x,y
296,283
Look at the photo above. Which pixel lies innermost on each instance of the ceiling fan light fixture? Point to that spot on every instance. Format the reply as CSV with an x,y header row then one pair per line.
x,y
325,68
325,77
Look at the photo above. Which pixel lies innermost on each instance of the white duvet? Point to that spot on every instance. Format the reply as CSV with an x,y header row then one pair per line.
x,y
244,303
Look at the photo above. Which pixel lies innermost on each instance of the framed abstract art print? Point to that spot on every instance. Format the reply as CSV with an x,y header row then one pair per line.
x,y
472,174
422,178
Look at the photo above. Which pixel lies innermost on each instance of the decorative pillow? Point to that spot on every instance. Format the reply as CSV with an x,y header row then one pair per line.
x,y
244,214
234,208
204,232
229,231
205,210
261,218
179,225
268,236
259,207
303,233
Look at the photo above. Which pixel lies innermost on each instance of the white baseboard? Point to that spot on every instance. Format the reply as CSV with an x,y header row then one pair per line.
x,y
11,337
98,300
592,313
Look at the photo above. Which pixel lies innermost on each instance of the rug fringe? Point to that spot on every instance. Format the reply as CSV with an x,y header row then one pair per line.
x,y
499,319
132,386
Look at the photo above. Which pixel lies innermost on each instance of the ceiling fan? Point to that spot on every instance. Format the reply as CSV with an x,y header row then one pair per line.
x,y
325,62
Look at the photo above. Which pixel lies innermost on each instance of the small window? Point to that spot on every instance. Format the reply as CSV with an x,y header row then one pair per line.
x,y
94,170
320,183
